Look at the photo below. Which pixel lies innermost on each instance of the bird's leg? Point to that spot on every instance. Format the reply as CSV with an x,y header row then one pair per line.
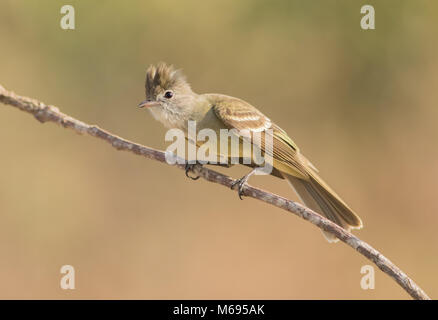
x,y
241,182
190,167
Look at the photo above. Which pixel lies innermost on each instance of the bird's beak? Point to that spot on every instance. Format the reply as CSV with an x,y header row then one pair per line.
x,y
148,104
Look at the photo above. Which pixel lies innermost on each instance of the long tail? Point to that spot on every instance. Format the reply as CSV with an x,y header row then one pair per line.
x,y
319,197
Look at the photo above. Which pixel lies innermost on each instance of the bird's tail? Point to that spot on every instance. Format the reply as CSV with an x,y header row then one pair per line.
x,y
319,197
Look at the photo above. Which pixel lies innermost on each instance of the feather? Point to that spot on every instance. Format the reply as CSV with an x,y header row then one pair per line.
x,y
161,77
297,169
284,151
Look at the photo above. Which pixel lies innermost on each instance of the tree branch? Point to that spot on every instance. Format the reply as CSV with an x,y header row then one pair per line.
x,y
48,113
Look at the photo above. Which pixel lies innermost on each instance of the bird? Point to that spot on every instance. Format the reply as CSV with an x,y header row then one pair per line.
x,y
171,100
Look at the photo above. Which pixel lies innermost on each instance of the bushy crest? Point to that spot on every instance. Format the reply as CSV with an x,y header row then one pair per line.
x,y
161,77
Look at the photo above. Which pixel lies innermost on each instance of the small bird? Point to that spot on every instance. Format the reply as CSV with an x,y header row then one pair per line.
x,y
171,101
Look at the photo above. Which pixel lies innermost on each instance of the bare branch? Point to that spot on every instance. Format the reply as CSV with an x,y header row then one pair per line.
x,y
48,113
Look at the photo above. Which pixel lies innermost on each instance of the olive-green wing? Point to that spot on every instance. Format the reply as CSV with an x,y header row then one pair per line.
x,y
240,115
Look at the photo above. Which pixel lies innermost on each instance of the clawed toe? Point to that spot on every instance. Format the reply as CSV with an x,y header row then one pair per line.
x,y
241,184
190,168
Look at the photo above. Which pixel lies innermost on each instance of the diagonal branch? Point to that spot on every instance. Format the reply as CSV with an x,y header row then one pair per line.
x,y
48,113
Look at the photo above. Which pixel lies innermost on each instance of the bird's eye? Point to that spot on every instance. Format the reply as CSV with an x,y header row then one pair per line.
x,y
168,94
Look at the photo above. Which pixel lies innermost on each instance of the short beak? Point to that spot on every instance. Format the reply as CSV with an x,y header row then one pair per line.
x,y
148,104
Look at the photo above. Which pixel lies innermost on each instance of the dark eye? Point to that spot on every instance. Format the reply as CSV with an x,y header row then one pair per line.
x,y
168,94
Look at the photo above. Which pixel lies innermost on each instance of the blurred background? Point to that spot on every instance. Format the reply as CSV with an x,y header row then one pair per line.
x,y
362,105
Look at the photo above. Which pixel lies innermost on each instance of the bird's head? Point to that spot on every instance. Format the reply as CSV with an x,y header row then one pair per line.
x,y
165,87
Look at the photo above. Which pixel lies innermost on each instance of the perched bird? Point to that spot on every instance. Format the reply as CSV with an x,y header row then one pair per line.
x,y
171,101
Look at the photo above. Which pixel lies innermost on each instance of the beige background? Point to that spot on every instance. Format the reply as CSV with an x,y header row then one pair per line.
x,y
362,105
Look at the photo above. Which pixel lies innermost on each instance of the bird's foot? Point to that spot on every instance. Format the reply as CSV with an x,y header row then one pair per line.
x,y
240,183
190,168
